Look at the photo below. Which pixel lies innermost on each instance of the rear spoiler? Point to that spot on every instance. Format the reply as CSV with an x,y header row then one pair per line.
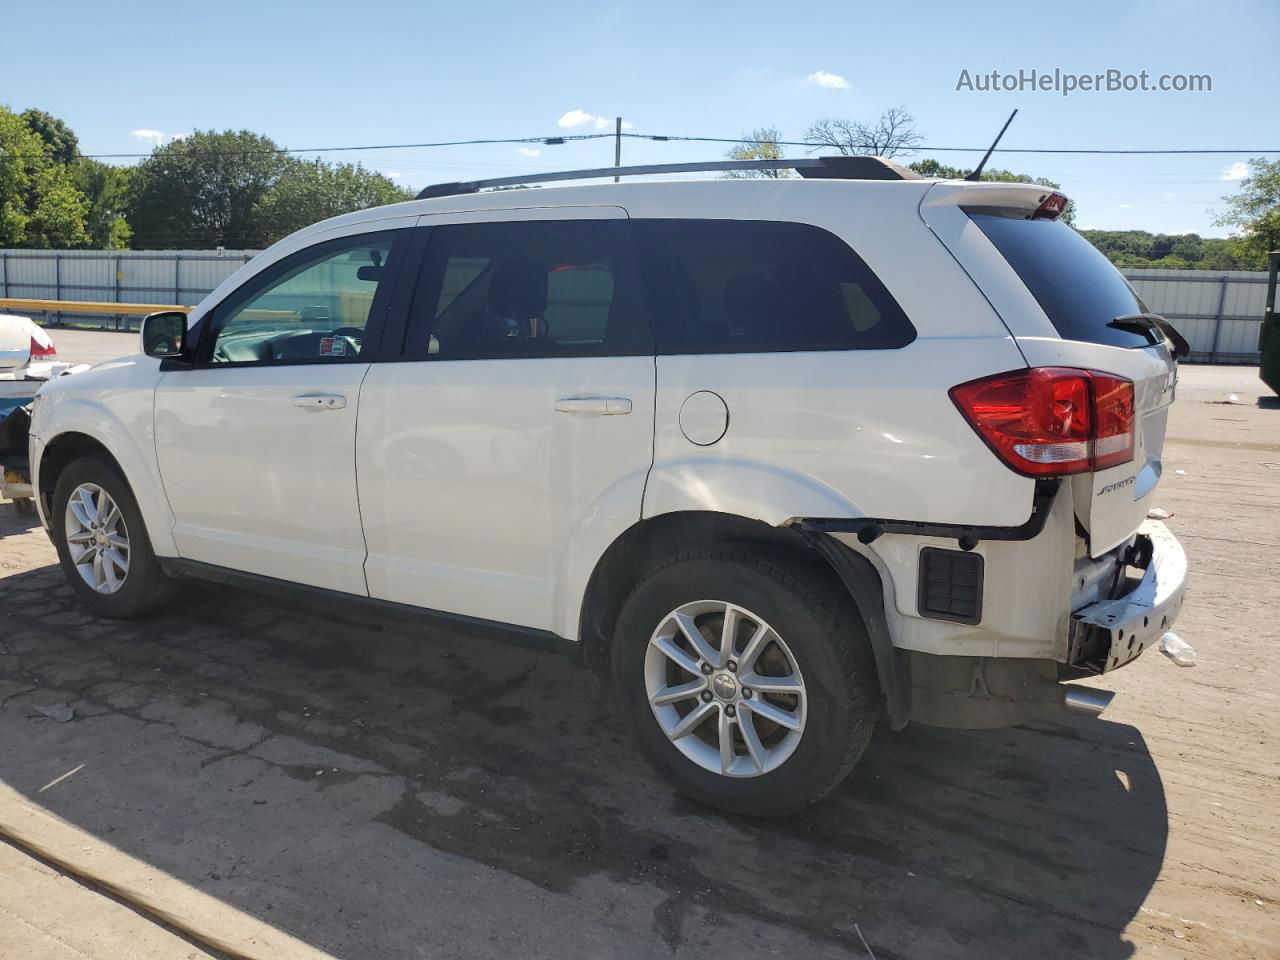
x,y
1022,197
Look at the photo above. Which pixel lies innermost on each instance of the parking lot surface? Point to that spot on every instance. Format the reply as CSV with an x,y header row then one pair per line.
x,y
383,792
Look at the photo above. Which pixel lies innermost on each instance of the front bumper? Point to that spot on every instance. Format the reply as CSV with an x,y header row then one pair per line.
x,y
35,452
1108,634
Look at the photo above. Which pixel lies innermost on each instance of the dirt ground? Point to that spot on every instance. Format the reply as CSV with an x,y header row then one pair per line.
x,y
385,792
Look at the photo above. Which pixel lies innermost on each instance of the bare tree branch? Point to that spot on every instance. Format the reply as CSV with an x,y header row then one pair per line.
x,y
893,134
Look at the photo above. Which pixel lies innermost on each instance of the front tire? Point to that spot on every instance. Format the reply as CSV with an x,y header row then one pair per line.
x,y
748,682
102,542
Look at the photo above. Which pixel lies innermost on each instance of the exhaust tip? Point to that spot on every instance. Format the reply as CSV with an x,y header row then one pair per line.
x,y
1086,700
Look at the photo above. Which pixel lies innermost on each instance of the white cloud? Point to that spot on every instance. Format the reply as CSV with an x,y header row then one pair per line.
x,y
1125,206
393,174
580,118
1237,171
156,137
528,152
832,81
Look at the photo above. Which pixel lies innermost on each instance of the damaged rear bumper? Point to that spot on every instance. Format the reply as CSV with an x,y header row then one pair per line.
x,y
952,691
1108,634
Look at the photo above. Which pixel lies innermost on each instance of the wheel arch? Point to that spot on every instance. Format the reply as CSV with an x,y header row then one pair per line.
x,y
70,445
647,542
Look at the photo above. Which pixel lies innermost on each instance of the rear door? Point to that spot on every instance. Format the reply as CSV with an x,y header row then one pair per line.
x,y
509,442
1061,299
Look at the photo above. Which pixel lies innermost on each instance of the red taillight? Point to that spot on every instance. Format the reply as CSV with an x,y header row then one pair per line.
x,y
1051,207
1113,420
1050,421
40,352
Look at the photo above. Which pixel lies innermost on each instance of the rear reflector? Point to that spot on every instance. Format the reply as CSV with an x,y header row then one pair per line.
x,y
1051,421
40,352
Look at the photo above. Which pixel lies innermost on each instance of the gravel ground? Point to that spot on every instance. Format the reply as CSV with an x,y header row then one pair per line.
x,y
386,792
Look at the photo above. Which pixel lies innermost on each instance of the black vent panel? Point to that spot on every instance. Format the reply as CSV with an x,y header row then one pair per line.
x,y
950,585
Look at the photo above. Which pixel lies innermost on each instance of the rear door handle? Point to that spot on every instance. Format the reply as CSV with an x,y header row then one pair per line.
x,y
594,406
320,401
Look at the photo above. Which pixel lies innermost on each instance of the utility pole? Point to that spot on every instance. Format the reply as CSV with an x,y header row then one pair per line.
x,y
617,145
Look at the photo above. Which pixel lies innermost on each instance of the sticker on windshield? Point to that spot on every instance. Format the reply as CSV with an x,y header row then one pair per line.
x,y
333,347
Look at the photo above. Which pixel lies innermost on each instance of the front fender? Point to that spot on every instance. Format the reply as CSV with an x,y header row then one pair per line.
x,y
747,488
122,421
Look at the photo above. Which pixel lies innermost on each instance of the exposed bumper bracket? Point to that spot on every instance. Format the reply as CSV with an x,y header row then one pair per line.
x,y
868,529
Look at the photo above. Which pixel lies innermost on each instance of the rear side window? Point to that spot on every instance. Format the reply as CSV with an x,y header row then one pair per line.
x,y
1076,286
541,288
756,286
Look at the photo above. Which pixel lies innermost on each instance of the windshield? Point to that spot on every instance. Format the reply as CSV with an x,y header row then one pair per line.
x,y
1076,286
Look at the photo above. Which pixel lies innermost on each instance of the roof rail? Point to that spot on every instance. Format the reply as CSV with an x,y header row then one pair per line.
x,y
823,168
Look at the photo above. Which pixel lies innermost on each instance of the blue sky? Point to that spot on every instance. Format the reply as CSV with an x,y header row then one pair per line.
x,y
325,73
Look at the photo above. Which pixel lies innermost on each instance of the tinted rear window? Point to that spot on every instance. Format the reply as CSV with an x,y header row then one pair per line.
x,y
1076,286
754,286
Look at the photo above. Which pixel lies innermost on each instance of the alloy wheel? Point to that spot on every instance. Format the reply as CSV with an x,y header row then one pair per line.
x,y
97,538
725,688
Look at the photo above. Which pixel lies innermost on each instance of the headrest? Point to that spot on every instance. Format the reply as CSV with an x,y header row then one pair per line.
x,y
518,289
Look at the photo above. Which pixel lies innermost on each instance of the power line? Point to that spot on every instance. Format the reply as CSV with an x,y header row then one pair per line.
x,y
930,149
554,141
560,139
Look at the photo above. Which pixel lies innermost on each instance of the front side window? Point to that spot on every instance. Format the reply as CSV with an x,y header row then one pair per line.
x,y
756,286
541,288
315,307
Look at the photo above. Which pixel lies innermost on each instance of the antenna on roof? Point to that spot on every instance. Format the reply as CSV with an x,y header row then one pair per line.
x,y
977,171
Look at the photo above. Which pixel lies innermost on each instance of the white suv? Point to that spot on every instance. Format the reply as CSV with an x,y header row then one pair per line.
x,y
783,457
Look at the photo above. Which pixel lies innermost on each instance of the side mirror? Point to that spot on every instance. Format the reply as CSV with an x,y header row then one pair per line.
x,y
164,334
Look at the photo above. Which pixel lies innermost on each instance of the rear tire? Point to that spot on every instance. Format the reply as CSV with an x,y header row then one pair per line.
x,y
815,699
102,542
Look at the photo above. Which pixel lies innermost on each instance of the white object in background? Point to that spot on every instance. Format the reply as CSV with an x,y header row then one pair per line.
x,y
1178,650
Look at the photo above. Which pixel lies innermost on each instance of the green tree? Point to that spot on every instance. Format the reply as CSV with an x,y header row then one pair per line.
x,y
313,191
58,215
64,147
39,204
1186,251
107,190
204,190
1255,210
760,144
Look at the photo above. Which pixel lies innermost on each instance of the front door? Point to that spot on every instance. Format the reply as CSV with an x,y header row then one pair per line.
x,y
515,432
256,439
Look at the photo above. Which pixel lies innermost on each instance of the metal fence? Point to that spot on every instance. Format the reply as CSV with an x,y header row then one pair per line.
x,y
124,276
1219,312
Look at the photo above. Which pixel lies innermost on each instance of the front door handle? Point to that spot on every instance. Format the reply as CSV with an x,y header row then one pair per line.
x,y
320,401
594,406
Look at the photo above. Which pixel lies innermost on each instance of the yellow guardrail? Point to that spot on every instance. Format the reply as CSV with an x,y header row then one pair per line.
x,y
87,306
